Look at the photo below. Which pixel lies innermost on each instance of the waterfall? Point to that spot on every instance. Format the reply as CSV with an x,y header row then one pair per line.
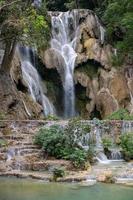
x,y
64,36
116,155
10,154
101,157
127,127
37,3
101,30
32,79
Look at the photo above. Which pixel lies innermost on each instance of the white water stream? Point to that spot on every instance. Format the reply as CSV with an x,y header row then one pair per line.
x,y
33,81
64,36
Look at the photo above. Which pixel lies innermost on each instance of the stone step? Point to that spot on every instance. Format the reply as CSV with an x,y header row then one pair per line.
x,y
12,137
44,165
29,151
28,143
3,156
3,149
20,148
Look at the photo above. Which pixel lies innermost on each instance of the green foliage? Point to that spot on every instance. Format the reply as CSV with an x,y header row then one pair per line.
x,y
3,143
52,118
117,60
85,4
107,142
23,22
64,144
91,154
52,140
77,131
89,69
118,17
121,114
2,116
58,173
127,145
78,157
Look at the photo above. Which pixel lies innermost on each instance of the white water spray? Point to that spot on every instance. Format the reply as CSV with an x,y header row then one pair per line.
x,y
64,37
32,79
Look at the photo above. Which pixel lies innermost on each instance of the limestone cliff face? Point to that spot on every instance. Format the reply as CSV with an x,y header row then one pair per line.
x,y
100,87
106,88
108,91
15,102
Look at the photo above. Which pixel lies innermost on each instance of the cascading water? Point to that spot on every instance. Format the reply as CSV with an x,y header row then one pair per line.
x,y
32,79
101,157
129,77
64,36
37,3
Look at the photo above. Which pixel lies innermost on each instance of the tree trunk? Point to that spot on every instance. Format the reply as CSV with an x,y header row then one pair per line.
x,y
77,4
8,56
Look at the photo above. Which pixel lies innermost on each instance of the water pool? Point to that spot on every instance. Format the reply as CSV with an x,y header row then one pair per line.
x,y
17,189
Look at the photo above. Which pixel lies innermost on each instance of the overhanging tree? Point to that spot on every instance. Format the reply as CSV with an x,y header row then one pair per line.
x,y
21,22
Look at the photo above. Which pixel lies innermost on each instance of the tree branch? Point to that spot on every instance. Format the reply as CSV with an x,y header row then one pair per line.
x,y
8,4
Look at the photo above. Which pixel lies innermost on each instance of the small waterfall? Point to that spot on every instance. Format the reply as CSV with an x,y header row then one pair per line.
x,y
100,155
32,79
97,133
37,3
13,158
10,154
127,126
102,158
116,155
129,77
64,36
1,55
101,30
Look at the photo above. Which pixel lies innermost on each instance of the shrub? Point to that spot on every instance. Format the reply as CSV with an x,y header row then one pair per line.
x,y
65,144
3,143
52,139
78,133
107,142
2,116
121,114
78,158
127,145
58,173
91,154
52,118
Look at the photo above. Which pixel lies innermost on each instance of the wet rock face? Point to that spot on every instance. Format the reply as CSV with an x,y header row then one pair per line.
x,y
119,89
89,46
15,102
106,103
91,38
107,91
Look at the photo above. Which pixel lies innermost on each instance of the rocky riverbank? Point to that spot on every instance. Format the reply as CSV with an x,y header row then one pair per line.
x,y
20,157
121,173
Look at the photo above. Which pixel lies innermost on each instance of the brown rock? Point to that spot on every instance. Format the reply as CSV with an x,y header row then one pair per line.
x,y
106,103
119,89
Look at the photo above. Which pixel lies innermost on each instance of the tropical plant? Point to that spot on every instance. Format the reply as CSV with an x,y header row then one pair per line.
x,y
127,145
121,114
63,143
58,173
107,142
20,21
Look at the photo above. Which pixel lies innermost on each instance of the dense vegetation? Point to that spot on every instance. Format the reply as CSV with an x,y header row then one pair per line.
x,y
66,144
127,145
121,114
21,19
116,15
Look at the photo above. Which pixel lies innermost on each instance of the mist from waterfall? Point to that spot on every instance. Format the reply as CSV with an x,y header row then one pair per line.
x,y
32,79
64,37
